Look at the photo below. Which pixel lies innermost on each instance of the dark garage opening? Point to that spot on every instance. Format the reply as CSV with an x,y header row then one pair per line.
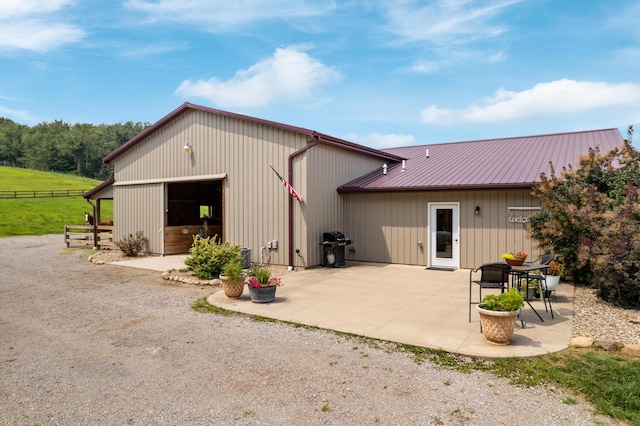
x,y
192,207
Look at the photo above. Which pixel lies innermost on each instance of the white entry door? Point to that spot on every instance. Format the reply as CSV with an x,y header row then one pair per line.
x,y
444,235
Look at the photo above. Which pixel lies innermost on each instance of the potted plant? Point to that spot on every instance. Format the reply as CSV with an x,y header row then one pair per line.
x,y
262,286
232,279
529,288
552,275
498,314
515,259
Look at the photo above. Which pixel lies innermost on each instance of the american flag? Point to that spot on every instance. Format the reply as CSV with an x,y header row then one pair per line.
x,y
290,188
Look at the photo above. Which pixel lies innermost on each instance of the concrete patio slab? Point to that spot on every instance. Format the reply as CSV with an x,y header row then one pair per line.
x,y
404,304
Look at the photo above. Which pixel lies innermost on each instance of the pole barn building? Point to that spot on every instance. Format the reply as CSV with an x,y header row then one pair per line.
x,y
452,205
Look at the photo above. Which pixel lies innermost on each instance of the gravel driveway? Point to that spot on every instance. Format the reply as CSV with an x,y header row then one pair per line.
x,y
84,344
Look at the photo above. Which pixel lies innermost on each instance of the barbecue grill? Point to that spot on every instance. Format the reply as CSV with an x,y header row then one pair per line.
x,y
333,244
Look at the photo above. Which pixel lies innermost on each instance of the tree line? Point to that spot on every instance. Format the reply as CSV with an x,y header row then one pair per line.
x,y
62,147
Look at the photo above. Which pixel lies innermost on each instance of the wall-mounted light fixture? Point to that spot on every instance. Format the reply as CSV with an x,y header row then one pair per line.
x,y
187,147
477,211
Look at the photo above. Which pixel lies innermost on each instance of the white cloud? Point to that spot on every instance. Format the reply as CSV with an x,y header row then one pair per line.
x,y
446,21
380,140
390,140
450,58
37,35
224,14
289,74
558,97
30,25
22,8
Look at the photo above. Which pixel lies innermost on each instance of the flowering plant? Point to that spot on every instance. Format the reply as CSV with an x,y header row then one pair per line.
x,y
261,277
518,255
555,268
131,245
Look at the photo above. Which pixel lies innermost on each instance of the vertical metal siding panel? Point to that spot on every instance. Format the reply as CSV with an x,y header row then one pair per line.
x,y
255,204
379,224
136,209
327,168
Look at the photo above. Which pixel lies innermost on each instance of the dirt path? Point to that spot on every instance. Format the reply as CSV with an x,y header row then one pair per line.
x,y
99,344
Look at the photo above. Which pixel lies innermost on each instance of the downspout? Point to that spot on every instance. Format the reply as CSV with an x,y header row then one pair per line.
x,y
316,140
95,225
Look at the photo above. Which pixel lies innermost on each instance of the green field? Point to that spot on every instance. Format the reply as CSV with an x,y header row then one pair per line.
x,y
38,216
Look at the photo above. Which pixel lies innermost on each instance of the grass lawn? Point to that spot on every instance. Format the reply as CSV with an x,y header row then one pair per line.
x,y
39,216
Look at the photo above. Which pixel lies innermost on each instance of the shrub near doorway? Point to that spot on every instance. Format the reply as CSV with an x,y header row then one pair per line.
x,y
208,256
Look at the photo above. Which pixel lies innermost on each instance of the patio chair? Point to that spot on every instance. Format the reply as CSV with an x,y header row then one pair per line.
x,y
491,276
541,277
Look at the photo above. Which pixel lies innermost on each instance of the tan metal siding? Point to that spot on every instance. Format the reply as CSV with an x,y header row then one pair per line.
x,y
255,202
327,168
386,227
139,208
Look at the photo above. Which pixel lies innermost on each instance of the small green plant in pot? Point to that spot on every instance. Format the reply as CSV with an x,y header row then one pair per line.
x,y
509,301
498,314
232,279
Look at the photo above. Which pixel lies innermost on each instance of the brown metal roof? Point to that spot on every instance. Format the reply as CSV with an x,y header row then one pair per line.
x,y
484,164
106,184
322,138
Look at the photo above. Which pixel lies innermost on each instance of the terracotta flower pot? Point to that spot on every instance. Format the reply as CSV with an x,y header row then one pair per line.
x,y
518,261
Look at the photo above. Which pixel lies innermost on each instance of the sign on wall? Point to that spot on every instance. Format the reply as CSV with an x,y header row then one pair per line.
x,y
520,214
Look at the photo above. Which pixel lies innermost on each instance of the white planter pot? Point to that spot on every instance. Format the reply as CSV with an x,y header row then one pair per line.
x,y
552,282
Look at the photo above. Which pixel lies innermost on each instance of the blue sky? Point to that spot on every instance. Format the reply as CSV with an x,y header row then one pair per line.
x,y
379,73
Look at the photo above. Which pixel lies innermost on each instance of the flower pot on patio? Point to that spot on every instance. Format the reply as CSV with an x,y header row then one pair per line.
x,y
232,279
498,313
232,288
262,286
497,326
262,294
552,282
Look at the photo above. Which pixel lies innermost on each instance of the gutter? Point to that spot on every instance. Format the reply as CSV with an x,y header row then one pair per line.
x,y
485,187
316,141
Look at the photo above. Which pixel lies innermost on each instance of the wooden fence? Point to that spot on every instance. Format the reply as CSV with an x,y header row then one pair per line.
x,y
83,235
43,193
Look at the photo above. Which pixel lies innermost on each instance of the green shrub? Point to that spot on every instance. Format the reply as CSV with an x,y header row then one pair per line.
x,y
208,256
131,245
508,301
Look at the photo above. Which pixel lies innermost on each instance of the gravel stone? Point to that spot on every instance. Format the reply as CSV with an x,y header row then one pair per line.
x,y
88,344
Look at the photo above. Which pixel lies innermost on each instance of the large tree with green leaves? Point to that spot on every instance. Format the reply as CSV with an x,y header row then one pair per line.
x,y
62,147
591,217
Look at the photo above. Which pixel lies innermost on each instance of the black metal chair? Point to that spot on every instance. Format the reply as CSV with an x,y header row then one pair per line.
x,y
492,276
541,277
